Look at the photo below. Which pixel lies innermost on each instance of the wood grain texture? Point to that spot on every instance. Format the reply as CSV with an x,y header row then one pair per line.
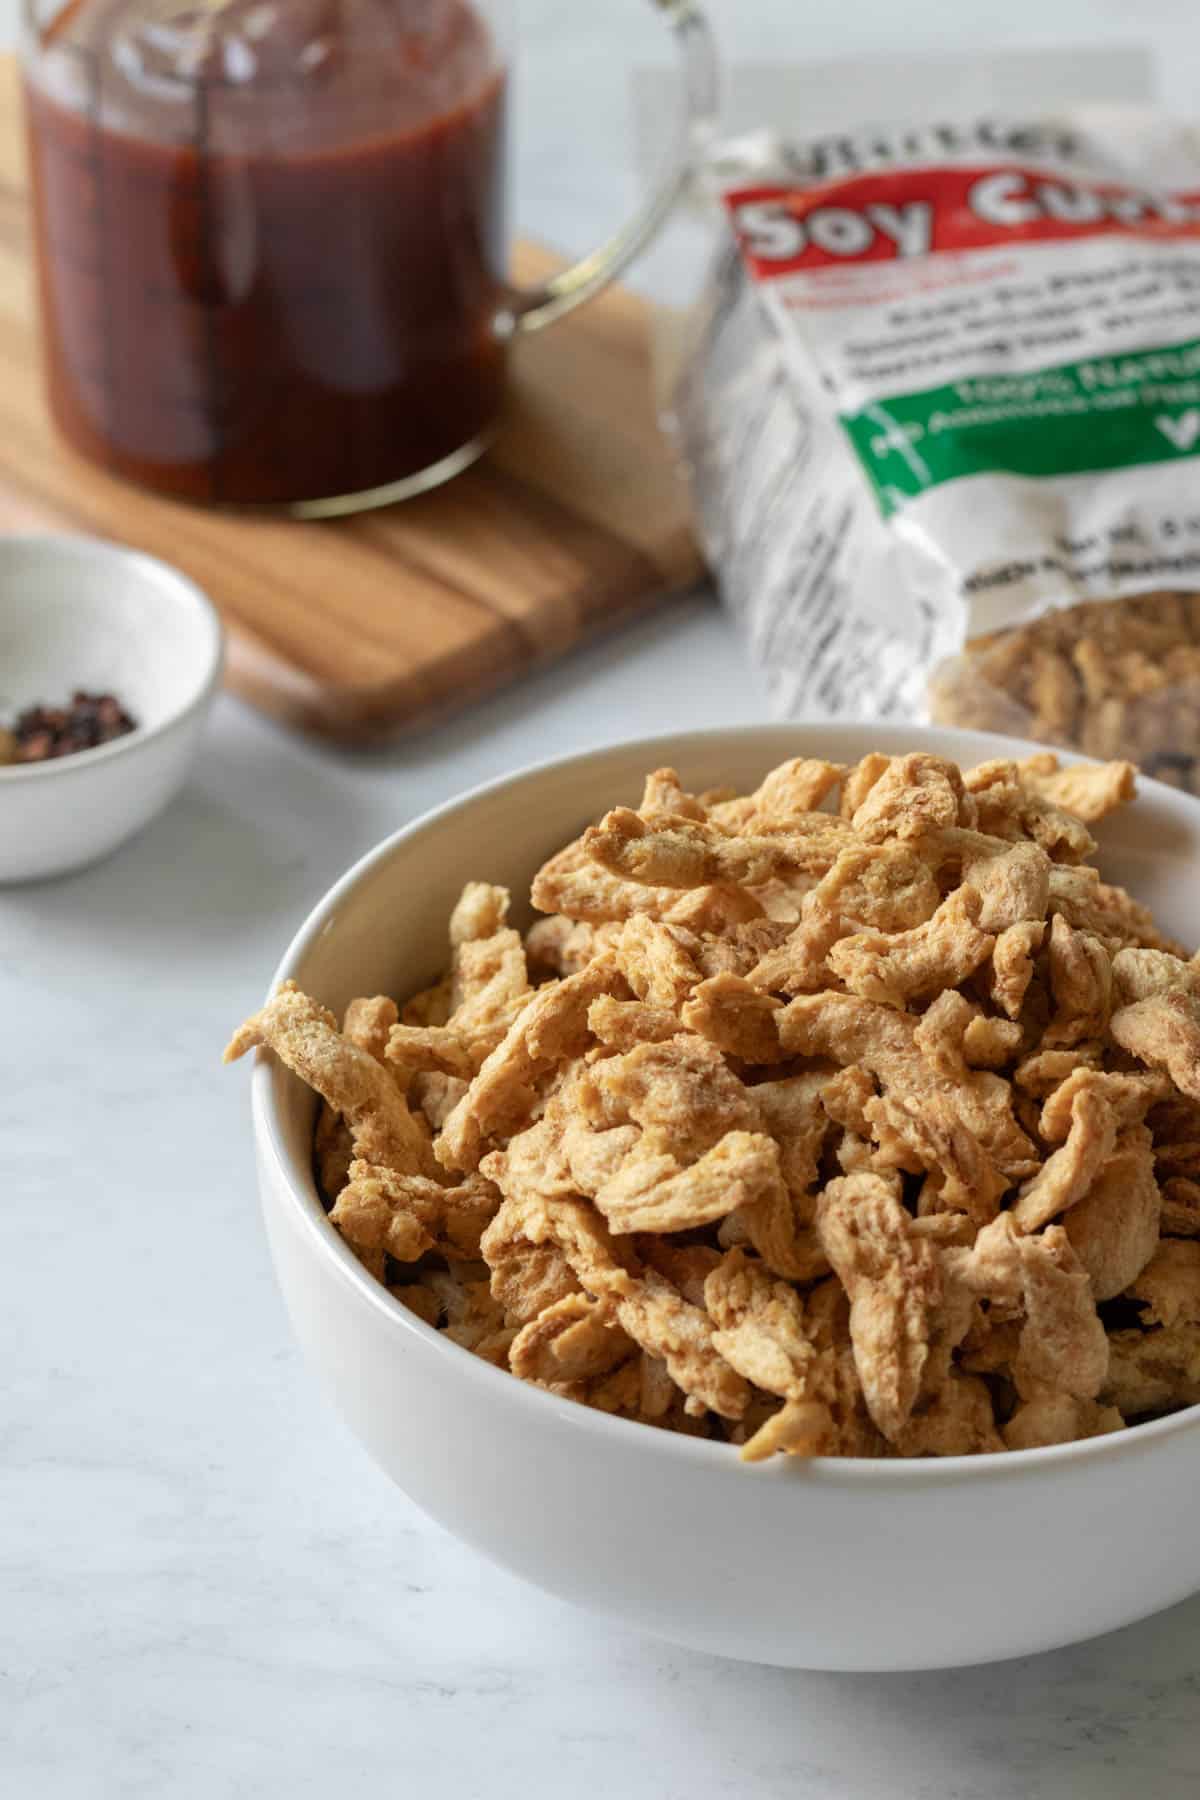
x,y
363,627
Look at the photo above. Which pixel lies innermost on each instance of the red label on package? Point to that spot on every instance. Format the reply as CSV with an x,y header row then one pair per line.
x,y
903,213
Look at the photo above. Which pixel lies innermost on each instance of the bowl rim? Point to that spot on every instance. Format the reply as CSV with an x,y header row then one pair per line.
x,y
507,1389
82,547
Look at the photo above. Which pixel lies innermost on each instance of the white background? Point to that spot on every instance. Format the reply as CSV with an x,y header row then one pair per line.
x,y
205,1588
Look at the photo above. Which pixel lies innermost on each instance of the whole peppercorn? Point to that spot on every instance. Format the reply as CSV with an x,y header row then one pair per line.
x,y
44,732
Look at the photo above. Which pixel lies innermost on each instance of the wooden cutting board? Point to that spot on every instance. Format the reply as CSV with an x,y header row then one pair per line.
x,y
363,627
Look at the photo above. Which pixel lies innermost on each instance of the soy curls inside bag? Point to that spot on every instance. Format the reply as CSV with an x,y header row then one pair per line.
x,y
940,412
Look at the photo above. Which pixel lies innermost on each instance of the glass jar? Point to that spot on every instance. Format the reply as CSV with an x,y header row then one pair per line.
x,y
271,238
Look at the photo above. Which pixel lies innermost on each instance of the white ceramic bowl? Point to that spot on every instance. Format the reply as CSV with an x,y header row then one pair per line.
x,y
79,613
831,1564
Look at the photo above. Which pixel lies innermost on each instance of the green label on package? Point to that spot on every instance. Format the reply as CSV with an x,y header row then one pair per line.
x,y
1070,419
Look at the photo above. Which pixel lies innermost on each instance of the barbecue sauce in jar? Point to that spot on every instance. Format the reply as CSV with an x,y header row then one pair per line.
x,y
270,240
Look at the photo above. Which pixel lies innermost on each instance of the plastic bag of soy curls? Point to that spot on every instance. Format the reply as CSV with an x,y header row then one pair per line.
x,y
940,414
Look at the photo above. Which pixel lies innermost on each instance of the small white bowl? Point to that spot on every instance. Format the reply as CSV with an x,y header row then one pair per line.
x,y
830,1563
79,613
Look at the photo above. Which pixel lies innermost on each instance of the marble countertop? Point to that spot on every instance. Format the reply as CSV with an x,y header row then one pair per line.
x,y
206,1589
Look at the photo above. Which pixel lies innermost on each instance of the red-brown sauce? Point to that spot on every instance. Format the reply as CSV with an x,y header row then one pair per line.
x,y
275,279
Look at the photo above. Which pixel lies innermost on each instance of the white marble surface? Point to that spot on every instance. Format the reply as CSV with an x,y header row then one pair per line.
x,y
205,1589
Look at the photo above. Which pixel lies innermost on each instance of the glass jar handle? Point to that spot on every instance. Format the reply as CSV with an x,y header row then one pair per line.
x,y
529,309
